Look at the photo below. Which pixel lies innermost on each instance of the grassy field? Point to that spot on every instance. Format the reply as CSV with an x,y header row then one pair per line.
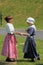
x,y
21,60
20,10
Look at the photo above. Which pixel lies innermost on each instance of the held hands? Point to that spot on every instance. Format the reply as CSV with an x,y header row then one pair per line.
x,y
22,34
25,34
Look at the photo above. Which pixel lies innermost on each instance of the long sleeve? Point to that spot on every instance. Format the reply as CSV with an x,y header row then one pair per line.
x,y
31,30
10,28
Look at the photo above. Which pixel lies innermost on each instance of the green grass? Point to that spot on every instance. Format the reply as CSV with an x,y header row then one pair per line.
x,y
21,9
21,60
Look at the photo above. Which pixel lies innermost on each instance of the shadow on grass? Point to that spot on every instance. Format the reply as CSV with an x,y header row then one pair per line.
x,y
23,60
7,63
39,64
1,63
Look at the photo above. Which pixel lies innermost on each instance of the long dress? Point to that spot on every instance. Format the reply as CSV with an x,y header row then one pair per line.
x,y
9,46
30,44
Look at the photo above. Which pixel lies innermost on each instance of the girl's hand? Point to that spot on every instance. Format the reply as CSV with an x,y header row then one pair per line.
x,y
22,33
25,34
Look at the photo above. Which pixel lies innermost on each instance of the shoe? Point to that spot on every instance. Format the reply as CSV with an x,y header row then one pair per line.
x,y
32,60
38,58
13,60
10,60
7,59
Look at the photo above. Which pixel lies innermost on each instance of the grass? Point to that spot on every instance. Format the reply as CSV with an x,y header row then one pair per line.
x,y
20,10
21,60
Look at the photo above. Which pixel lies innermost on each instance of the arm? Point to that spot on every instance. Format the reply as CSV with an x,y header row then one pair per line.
x,y
19,33
25,34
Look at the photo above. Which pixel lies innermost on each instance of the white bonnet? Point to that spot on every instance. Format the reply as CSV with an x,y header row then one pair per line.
x,y
30,20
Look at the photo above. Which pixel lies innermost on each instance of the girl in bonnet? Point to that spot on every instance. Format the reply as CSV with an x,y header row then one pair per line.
x,y
30,44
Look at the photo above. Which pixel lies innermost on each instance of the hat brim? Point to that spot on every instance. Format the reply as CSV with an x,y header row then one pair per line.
x,y
30,22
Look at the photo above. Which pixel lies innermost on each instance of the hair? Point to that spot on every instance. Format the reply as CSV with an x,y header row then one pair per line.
x,y
7,18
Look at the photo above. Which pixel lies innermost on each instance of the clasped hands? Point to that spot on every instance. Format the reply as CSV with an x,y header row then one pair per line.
x,y
24,34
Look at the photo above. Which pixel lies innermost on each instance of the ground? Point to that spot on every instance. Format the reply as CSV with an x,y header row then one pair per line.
x,y
21,60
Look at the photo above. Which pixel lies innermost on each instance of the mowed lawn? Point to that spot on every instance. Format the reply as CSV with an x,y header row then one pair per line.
x,y
21,60
20,10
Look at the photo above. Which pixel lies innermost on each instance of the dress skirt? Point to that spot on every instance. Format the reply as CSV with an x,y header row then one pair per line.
x,y
9,47
30,48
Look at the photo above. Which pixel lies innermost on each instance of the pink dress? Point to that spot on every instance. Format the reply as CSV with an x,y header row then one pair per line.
x,y
9,47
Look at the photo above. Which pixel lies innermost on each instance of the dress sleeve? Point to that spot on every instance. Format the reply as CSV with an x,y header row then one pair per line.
x,y
10,28
30,31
